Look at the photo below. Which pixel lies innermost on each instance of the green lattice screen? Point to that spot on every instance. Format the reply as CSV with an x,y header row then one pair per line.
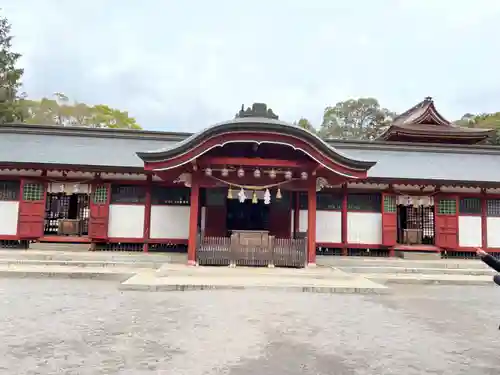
x,y
389,203
447,207
100,195
33,192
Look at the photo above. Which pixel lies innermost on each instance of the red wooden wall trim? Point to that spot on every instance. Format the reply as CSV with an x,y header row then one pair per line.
x,y
193,219
147,215
484,220
311,222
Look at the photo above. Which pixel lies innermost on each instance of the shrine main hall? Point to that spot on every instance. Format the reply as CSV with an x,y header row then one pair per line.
x,y
254,190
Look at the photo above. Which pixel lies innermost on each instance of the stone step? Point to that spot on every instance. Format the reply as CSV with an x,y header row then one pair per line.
x,y
79,263
423,271
65,272
76,247
169,270
409,279
109,256
335,261
212,279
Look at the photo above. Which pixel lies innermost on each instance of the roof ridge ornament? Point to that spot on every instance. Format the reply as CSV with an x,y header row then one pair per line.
x,y
257,110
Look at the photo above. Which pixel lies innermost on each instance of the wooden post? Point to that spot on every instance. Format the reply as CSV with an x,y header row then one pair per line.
x,y
311,223
296,215
193,219
484,219
147,215
343,219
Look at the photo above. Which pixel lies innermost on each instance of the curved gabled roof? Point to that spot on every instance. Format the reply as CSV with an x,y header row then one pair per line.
x,y
259,130
423,121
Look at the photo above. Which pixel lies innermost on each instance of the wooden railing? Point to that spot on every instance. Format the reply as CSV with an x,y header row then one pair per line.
x,y
280,252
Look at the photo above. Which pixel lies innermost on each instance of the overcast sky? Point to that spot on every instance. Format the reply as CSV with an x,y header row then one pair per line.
x,y
184,64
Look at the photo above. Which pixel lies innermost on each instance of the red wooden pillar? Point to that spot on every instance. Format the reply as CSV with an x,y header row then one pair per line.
x,y
343,220
484,220
311,222
193,219
147,215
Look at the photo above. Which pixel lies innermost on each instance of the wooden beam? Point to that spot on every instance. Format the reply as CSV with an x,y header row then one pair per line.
x,y
255,162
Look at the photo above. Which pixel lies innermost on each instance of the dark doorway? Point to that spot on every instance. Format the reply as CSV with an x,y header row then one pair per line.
x,y
415,225
247,215
60,206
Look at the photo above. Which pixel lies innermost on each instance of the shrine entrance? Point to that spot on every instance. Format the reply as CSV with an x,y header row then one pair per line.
x,y
247,215
253,154
415,220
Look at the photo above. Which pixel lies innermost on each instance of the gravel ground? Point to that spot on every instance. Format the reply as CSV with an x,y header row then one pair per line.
x,y
88,327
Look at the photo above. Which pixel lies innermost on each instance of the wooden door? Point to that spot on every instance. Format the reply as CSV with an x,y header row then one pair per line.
x,y
446,222
99,211
389,220
31,209
215,212
280,216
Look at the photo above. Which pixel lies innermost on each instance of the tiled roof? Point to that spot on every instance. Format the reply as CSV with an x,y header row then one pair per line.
x,y
430,164
75,146
424,120
117,149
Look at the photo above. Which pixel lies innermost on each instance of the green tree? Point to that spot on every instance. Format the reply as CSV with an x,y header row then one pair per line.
x,y
61,111
361,118
305,124
483,121
10,76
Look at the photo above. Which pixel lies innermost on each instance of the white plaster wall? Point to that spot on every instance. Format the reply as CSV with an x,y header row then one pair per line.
x,y
203,218
9,214
469,231
170,222
126,221
364,227
303,221
493,233
329,226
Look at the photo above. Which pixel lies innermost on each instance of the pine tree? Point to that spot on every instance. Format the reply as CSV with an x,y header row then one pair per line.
x,y
10,77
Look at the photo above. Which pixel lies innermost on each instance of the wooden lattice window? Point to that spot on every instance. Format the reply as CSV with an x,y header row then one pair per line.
x,y
328,201
9,190
324,201
100,195
447,206
128,194
32,191
390,203
172,196
471,206
364,202
493,207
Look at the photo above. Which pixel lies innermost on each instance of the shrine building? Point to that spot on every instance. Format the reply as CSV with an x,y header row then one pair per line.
x,y
253,190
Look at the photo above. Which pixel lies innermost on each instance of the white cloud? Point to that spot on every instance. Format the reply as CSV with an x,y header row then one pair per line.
x,y
183,65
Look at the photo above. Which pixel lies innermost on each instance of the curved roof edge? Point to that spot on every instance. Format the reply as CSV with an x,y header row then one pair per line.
x,y
257,125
